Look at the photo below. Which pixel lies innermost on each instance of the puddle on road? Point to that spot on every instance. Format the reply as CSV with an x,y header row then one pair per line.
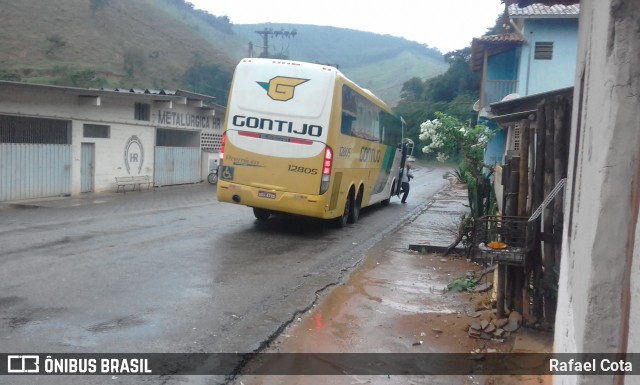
x,y
116,324
357,316
388,304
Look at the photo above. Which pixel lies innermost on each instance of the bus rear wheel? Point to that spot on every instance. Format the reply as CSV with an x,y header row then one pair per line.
x,y
261,214
354,213
342,220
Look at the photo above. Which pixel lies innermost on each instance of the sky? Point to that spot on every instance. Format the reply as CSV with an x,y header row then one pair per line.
x,y
447,25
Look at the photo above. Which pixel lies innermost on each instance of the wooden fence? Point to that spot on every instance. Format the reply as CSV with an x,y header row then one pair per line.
x,y
528,178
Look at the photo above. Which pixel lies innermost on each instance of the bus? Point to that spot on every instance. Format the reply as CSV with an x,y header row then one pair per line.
x,y
302,139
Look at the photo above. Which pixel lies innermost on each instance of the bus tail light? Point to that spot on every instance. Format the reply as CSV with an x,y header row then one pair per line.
x,y
326,170
224,140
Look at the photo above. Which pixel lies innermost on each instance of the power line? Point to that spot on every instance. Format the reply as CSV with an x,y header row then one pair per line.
x,y
266,33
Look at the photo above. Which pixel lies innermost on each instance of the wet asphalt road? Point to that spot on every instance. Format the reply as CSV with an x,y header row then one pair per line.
x,y
169,271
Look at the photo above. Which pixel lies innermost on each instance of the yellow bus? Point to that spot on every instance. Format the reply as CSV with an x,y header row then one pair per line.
x,y
302,139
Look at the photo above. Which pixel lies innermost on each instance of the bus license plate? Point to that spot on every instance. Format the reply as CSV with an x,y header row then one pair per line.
x,y
266,194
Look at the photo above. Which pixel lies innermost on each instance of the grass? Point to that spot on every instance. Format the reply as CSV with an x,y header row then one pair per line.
x,y
166,41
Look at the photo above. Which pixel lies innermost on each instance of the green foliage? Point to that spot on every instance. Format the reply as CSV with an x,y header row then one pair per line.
x,y
462,174
94,38
221,23
481,196
450,138
209,79
454,92
10,76
463,284
499,27
459,79
412,89
55,43
133,62
66,76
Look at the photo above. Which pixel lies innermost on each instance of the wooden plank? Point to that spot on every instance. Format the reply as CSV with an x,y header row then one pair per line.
x,y
511,192
523,188
537,198
435,249
561,151
549,260
500,287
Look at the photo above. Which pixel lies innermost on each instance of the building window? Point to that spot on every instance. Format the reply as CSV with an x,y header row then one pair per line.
x,y
17,129
544,50
143,111
96,131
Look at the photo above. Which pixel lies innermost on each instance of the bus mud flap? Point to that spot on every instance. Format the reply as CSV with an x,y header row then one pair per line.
x,y
336,191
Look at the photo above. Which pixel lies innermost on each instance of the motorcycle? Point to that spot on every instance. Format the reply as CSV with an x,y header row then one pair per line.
x,y
212,178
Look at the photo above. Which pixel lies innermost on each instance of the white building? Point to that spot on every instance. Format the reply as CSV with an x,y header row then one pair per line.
x,y
66,141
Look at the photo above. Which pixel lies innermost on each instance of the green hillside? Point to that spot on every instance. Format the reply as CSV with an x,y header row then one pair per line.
x,y
167,44
381,63
142,43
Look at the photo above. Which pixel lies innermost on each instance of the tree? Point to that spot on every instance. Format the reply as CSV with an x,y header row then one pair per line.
x,y
448,137
453,93
132,62
412,89
209,79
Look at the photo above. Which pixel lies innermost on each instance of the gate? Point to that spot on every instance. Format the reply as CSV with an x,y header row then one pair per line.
x,y
35,157
176,165
34,170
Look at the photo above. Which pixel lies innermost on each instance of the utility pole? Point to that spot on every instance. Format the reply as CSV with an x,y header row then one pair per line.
x,y
269,32
250,49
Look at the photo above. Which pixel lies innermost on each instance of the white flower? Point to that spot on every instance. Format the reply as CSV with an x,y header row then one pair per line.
x,y
442,157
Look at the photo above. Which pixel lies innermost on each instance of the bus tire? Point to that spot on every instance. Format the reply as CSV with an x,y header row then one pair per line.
x,y
343,219
354,213
261,214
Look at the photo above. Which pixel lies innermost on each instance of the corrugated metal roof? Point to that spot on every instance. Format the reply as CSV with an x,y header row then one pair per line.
x,y
140,91
524,3
147,94
544,11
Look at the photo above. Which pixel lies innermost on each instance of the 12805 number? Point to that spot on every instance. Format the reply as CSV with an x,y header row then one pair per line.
x,y
303,170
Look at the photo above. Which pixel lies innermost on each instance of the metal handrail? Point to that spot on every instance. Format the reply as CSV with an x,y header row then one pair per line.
x,y
548,200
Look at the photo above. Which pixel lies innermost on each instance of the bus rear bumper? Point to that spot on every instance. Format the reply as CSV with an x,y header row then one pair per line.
x,y
279,201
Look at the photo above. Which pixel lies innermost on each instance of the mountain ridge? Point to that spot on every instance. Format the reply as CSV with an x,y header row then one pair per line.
x,y
166,44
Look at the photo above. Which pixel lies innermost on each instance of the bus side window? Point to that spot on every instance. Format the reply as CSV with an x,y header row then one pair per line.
x,y
347,123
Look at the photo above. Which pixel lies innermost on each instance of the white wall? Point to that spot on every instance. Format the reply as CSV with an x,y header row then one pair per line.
x,y
599,295
109,154
116,110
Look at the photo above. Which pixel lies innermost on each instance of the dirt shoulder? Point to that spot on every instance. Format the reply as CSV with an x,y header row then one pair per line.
x,y
397,302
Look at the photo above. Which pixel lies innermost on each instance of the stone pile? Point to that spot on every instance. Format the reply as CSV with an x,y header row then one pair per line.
x,y
490,327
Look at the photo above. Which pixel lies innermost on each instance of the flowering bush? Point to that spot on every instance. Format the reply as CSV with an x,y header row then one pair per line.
x,y
447,137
